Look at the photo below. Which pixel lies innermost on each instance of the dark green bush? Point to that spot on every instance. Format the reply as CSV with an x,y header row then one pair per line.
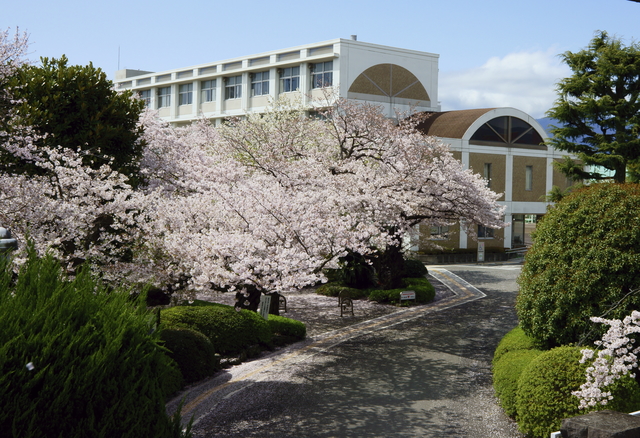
x,y
425,292
334,289
544,397
333,275
356,271
287,327
229,331
584,261
515,340
98,370
192,351
506,372
414,269
197,303
173,381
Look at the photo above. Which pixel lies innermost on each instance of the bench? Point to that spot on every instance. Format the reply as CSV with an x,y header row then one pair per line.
x,y
345,303
282,303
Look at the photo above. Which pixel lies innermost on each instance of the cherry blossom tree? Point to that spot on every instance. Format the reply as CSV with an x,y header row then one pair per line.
x,y
258,205
227,226
379,171
77,212
74,211
616,357
13,50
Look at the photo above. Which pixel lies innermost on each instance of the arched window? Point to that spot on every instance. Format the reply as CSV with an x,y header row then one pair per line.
x,y
507,130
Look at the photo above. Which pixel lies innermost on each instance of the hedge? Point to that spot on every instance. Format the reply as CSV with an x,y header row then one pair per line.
x,y
229,331
544,396
425,292
333,289
192,351
515,340
287,327
584,262
506,372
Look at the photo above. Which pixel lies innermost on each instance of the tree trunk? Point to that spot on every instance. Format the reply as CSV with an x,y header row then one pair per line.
x,y
620,176
274,307
389,267
250,302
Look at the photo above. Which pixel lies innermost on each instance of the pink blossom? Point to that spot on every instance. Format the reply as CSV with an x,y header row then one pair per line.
x,y
616,358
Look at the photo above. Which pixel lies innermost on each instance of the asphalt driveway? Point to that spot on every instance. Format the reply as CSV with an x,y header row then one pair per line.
x,y
422,371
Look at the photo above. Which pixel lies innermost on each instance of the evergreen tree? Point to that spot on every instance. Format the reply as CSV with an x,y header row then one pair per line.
x,y
77,107
598,109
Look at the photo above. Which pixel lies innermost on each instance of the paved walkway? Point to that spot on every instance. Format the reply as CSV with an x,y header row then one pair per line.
x,y
285,397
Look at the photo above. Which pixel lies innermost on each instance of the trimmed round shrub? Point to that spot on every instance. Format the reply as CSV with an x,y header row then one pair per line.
x,y
230,331
287,327
544,396
506,372
515,340
584,261
192,351
414,269
173,381
77,360
425,292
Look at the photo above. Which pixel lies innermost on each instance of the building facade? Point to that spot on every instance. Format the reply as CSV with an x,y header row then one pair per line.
x,y
394,78
504,145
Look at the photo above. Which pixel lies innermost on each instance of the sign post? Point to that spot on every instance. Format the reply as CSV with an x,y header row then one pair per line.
x,y
408,295
265,303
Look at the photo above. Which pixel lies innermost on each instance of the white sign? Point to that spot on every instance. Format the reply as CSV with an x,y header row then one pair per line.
x,y
265,303
407,295
481,251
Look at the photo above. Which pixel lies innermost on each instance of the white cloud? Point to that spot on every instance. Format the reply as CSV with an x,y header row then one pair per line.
x,y
524,80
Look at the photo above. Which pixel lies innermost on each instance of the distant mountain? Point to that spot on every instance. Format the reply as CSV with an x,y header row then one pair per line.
x,y
546,124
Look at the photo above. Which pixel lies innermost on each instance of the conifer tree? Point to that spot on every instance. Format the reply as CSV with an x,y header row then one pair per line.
x,y
598,109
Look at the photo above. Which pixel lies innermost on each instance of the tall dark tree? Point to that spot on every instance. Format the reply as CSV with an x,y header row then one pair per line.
x,y
598,109
77,107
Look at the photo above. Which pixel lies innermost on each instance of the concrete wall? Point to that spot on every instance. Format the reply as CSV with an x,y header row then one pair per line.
x,y
350,58
539,178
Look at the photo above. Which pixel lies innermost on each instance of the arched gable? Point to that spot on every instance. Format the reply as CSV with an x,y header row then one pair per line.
x,y
492,126
391,81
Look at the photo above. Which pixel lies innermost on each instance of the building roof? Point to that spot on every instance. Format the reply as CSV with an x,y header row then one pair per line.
x,y
451,124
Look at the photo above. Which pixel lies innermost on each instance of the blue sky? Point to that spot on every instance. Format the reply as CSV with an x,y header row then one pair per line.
x,y
492,53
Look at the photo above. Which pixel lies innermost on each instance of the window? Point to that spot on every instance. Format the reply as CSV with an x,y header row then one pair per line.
x,y
145,95
528,178
439,233
289,79
507,130
233,88
209,90
322,74
487,174
164,97
260,83
484,232
185,96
